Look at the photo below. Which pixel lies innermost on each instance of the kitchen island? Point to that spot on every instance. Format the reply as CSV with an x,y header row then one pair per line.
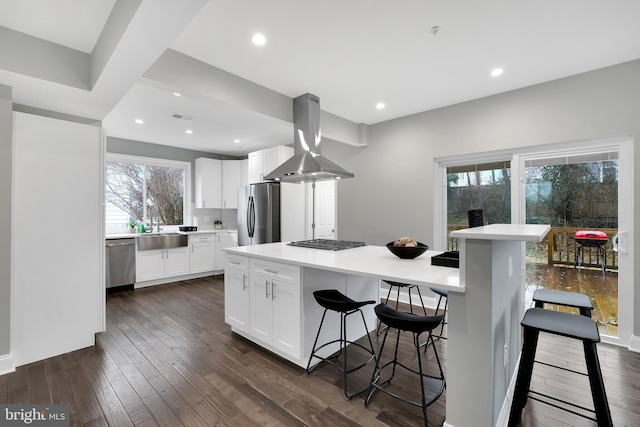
x,y
268,300
269,290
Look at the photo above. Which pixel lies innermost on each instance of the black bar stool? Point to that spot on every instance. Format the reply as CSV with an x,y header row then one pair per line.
x,y
334,300
441,294
568,299
401,286
582,328
431,387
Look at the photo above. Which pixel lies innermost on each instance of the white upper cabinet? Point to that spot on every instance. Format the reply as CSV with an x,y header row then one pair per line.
x,y
264,161
231,179
208,183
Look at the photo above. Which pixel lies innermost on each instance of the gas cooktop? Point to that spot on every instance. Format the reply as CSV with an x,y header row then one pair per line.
x,y
328,244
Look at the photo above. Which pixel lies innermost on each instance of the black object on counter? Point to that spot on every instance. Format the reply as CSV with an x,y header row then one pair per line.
x,y
187,228
475,218
447,259
407,252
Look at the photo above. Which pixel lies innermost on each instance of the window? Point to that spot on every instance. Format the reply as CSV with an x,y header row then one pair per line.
x,y
485,186
143,189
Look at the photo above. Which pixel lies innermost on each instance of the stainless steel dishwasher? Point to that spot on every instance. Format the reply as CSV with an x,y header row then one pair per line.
x,y
121,262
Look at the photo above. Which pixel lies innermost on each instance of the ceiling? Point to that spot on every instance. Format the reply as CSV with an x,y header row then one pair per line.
x,y
352,55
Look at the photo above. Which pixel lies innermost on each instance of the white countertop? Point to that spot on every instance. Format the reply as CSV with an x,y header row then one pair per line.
x,y
371,261
133,235
521,232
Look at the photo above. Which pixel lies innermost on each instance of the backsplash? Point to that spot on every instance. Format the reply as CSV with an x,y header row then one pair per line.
x,y
207,217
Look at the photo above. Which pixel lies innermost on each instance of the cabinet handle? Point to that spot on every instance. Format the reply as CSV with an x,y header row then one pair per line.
x,y
234,262
244,282
271,271
167,253
273,290
266,288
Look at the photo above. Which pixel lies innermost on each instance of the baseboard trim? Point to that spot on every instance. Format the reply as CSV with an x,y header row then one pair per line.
x,y
505,411
6,364
634,344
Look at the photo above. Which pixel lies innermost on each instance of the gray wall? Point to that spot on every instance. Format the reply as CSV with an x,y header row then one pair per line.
x,y
6,167
393,184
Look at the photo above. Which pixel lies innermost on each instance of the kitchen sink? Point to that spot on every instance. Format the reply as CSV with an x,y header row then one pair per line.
x,y
162,241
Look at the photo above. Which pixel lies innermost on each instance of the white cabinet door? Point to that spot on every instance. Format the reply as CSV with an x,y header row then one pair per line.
x,y
286,317
176,261
271,160
261,308
208,188
236,298
231,179
203,253
256,166
223,240
149,265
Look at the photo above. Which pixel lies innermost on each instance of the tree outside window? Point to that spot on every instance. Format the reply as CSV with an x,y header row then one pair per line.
x,y
144,192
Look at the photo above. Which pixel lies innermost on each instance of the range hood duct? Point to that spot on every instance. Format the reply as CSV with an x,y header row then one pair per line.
x,y
307,164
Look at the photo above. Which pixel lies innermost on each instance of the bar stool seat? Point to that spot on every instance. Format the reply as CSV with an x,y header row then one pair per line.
x,y
568,299
334,300
400,286
582,328
431,386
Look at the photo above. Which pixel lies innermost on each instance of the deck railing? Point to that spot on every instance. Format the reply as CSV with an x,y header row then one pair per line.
x,y
561,247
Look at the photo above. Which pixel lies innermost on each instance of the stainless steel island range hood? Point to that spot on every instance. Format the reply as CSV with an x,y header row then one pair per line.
x,y
307,164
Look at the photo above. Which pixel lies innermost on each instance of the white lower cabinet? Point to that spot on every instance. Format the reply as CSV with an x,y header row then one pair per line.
x,y
276,305
203,253
236,293
223,240
263,300
161,263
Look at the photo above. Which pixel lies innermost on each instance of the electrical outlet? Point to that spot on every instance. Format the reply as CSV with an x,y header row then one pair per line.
x,y
510,266
506,352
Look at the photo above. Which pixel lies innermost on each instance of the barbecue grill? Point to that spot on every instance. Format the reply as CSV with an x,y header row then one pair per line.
x,y
591,239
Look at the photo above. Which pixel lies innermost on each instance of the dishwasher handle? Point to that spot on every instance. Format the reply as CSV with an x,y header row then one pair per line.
x,y
111,245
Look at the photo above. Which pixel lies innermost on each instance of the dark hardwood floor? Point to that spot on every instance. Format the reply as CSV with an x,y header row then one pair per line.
x,y
168,359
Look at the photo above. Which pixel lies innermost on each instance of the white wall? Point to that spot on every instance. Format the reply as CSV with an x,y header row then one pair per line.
x,y
6,167
392,192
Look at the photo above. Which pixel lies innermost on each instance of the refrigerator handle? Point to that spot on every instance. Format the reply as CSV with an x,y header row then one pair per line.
x,y
251,217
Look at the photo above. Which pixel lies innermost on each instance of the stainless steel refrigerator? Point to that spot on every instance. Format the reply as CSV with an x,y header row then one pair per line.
x,y
259,213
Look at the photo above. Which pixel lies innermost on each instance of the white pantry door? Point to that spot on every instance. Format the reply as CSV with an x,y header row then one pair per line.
x,y
58,289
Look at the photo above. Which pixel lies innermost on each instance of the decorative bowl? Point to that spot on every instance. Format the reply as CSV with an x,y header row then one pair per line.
x,y
407,252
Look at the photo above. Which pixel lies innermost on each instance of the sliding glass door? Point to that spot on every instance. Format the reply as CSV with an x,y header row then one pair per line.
x,y
574,187
577,194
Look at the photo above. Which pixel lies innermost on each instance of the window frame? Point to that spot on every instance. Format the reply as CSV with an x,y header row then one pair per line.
x,y
152,161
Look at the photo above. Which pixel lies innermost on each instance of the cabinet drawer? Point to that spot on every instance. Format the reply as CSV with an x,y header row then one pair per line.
x,y
198,238
238,262
276,270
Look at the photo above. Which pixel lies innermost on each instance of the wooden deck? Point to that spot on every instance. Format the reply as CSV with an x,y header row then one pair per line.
x,y
603,290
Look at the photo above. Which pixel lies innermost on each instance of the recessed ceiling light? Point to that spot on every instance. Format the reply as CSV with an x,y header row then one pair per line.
x,y
237,141
496,72
189,131
380,105
139,121
258,39
177,94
